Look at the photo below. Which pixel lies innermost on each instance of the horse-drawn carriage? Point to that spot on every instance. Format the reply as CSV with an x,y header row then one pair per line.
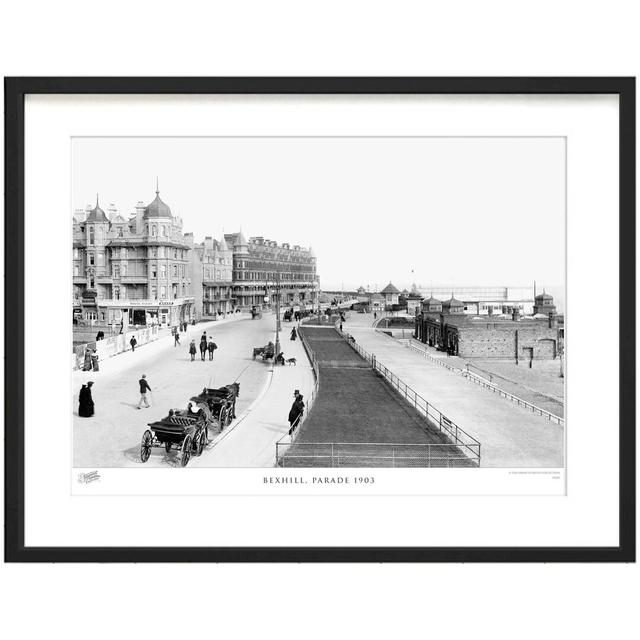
x,y
181,429
188,429
266,353
218,405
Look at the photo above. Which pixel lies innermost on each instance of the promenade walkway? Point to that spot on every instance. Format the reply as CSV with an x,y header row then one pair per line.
x,y
511,436
251,439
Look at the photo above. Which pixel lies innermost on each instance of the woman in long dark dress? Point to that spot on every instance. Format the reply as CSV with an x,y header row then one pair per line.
x,y
294,334
85,407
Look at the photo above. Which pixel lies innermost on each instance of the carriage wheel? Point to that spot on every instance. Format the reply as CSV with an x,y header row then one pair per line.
x,y
221,418
228,417
145,445
186,451
167,446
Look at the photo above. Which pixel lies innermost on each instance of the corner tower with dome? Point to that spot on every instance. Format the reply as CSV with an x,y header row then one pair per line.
x,y
131,270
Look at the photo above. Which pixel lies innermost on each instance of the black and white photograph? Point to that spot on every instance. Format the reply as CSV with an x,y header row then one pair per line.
x,y
320,320
335,315
318,302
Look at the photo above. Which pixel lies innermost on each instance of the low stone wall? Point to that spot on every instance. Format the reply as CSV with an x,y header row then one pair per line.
x,y
115,344
502,342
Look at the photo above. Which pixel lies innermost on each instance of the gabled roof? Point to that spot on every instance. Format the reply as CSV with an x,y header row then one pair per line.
x,y
452,302
390,289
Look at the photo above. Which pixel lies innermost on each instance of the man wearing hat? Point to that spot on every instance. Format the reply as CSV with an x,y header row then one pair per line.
x,y
297,409
144,387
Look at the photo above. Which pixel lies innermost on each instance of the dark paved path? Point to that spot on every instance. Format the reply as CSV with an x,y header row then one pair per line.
x,y
355,405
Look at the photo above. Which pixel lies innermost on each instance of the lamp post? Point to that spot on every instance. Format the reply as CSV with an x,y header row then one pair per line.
x,y
277,312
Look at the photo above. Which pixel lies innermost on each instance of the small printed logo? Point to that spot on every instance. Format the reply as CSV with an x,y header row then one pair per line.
x,y
89,476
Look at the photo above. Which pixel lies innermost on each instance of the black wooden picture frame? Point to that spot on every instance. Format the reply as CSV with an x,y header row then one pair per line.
x,y
15,91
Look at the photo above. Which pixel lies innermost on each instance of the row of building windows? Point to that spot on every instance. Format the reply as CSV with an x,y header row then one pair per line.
x,y
119,292
271,277
216,273
302,259
122,253
121,270
212,260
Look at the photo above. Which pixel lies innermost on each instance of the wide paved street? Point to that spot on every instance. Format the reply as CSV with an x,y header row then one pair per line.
x,y
112,437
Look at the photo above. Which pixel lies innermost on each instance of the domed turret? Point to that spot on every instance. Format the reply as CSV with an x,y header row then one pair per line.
x,y
157,208
432,305
97,214
544,304
453,306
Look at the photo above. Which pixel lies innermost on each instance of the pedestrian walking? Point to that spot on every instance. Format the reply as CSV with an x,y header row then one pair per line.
x,y
144,387
85,401
87,360
192,350
203,346
94,360
294,333
295,414
176,339
212,346
133,342
340,325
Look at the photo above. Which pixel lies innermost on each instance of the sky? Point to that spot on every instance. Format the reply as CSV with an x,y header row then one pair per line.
x,y
434,211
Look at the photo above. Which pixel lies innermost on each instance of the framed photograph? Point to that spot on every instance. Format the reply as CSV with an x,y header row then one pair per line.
x,y
320,319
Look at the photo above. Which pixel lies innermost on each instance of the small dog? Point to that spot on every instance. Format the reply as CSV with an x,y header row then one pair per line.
x,y
291,361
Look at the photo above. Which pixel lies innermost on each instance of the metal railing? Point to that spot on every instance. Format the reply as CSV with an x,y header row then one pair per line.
x,y
373,454
435,418
552,417
427,355
288,439
462,451
488,384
